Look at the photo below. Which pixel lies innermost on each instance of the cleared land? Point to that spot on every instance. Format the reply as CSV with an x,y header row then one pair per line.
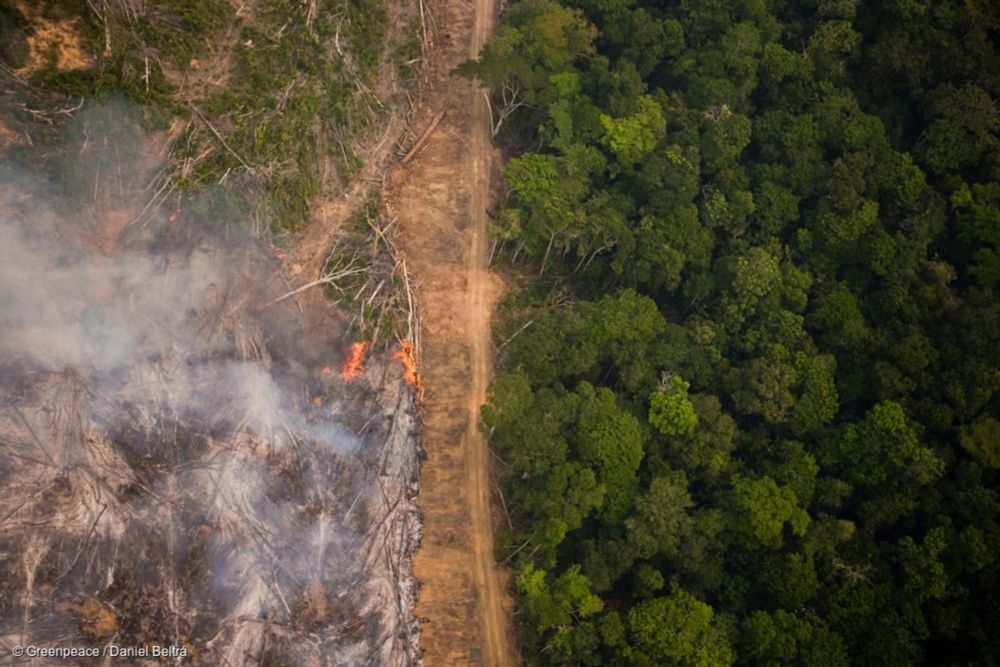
x,y
441,197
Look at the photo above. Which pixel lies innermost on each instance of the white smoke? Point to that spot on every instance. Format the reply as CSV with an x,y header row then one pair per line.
x,y
167,472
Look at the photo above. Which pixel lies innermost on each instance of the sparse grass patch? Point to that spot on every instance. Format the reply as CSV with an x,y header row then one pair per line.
x,y
408,55
179,29
367,21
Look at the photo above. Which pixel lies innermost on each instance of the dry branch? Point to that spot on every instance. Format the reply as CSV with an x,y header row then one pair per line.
x,y
523,327
423,137
222,140
512,100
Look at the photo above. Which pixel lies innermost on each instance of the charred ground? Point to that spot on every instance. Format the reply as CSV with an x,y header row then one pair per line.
x,y
175,470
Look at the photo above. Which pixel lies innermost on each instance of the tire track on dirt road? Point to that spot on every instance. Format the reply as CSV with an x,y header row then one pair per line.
x,y
492,616
441,197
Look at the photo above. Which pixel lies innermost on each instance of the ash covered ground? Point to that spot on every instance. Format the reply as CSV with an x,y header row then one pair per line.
x,y
175,470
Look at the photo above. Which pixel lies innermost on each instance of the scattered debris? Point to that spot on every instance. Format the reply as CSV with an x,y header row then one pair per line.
x,y
176,481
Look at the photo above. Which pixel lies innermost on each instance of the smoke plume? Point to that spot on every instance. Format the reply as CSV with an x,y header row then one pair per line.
x,y
174,469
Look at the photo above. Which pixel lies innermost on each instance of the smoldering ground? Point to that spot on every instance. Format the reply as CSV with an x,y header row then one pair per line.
x,y
173,470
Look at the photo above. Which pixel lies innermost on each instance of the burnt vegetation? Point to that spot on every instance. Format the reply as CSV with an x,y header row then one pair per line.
x,y
170,486
175,467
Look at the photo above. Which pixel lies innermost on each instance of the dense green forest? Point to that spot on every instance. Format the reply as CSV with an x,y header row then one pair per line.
x,y
747,411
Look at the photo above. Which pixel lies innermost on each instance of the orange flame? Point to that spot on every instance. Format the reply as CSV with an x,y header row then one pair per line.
x,y
278,253
354,365
326,370
405,355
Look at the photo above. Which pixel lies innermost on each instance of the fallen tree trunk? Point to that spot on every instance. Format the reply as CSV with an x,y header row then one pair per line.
x,y
423,138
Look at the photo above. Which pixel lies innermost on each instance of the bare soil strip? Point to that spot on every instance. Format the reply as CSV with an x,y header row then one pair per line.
x,y
441,196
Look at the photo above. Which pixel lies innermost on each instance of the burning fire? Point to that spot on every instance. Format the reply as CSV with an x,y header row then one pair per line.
x,y
354,365
405,356
278,253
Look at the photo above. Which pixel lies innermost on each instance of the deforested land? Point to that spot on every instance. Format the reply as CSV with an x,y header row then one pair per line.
x,y
210,407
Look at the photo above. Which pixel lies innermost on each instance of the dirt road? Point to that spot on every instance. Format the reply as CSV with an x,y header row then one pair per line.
x,y
441,198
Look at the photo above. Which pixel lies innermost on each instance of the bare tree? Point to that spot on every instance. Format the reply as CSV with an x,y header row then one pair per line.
x,y
511,100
